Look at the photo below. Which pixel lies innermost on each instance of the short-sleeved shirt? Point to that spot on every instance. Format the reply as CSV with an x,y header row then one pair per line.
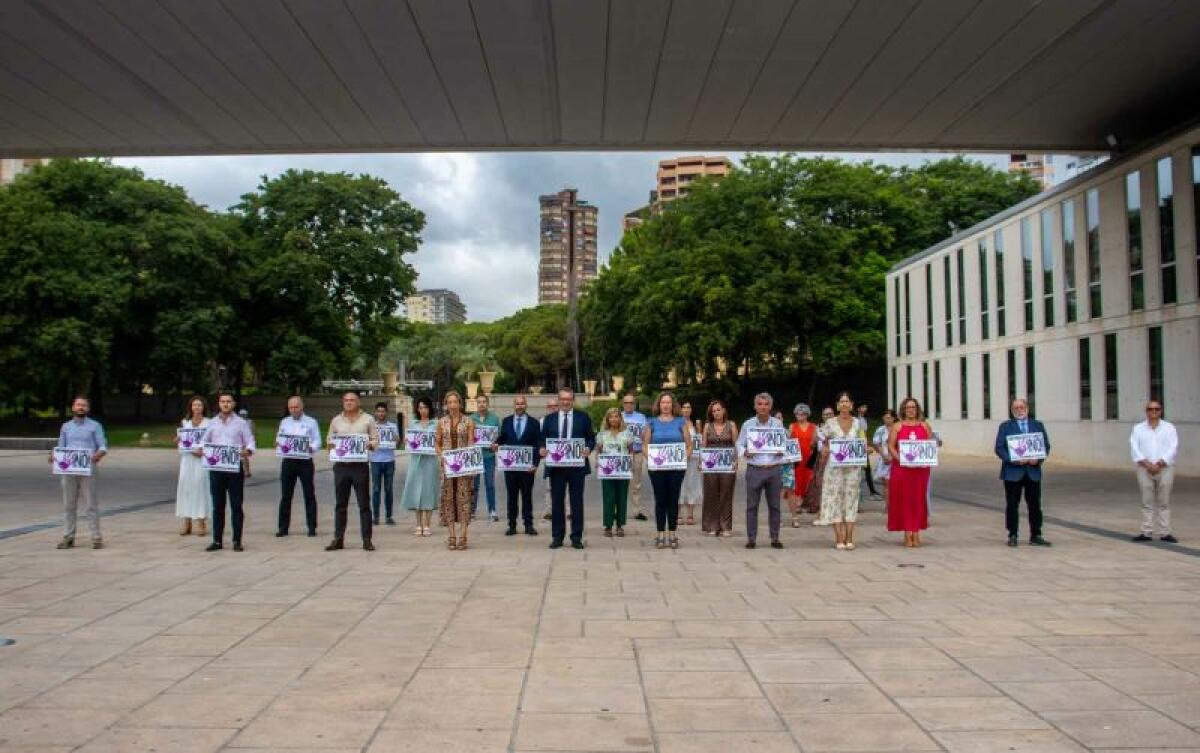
x,y
666,432
609,442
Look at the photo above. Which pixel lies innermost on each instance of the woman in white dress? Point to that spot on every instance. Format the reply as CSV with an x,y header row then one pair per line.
x,y
882,470
192,500
692,490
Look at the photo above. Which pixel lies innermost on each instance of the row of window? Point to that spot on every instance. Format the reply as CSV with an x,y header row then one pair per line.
x,y
991,261
932,401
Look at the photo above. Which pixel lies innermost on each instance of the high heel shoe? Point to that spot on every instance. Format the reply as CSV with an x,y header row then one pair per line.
x,y
186,528
451,543
462,543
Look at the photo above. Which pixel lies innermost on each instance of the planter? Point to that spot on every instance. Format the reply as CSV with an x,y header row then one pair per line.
x,y
589,386
535,389
390,382
472,390
487,379
618,383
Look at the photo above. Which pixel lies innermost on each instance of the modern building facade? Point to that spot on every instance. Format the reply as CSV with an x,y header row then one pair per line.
x,y
1036,166
436,306
11,168
1085,300
676,175
567,257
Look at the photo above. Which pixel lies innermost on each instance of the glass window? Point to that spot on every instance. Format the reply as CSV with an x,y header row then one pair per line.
x,y
1156,366
925,385
998,250
893,385
908,382
962,387
1091,210
1133,228
1085,379
1048,267
962,298
907,315
1166,231
929,306
1012,375
946,300
983,291
937,390
1068,250
1030,381
1111,405
1027,270
987,385
899,324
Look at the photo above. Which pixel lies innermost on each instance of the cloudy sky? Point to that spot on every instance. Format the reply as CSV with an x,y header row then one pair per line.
x,y
481,209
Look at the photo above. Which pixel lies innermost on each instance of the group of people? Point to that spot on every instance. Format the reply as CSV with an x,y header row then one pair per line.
x,y
808,480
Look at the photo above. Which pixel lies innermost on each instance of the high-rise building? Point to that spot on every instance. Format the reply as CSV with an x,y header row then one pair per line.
x,y
1036,166
11,168
568,246
437,306
675,175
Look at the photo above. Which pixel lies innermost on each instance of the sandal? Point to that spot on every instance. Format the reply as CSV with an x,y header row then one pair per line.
x,y
608,533
418,531
462,543
795,522
620,531
674,541
690,521
426,531
452,543
659,543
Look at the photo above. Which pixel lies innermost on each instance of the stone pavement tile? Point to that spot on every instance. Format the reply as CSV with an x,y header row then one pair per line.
x,y
900,658
924,683
700,685
364,695
114,695
689,659
1182,707
1163,645
1086,695
969,714
582,732
904,628
184,645
847,612
53,726
447,740
1083,627
811,628
1147,680
629,629
564,697
833,733
596,648
1123,729
515,657
1023,669
800,648
415,712
175,740
1190,662
804,670
298,729
34,625
585,671
222,710
982,647
1104,657
725,742
712,714
1014,741
454,681
563,627
215,624
269,656
147,668
995,626
721,629
261,681
829,698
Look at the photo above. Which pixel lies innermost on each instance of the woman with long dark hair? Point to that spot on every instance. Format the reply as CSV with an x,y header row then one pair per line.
x,y
840,489
716,515
421,485
192,499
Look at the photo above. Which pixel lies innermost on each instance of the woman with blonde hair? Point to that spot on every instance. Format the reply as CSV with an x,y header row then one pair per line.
x,y
455,431
613,439
666,427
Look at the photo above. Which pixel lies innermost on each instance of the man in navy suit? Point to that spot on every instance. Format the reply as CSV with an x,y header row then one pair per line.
x,y
520,430
1021,476
564,424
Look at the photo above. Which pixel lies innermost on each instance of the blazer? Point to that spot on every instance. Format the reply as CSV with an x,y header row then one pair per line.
x,y
531,437
1010,471
581,428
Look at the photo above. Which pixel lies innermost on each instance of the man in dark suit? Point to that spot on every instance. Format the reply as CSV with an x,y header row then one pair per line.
x,y
1021,476
520,430
564,424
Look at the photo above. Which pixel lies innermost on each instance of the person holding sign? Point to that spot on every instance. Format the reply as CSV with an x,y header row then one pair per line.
x,y
691,491
226,443
352,436
298,438
667,440
551,409
569,439
1153,445
1021,470
805,433
520,438
909,478
845,455
421,484
191,491
455,431
383,464
612,448
720,433
635,421
84,437
487,426
761,442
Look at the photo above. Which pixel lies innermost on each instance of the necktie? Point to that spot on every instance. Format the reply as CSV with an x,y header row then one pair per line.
x,y
564,425
520,425
1024,428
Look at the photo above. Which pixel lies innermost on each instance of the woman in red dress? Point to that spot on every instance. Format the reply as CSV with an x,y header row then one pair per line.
x,y
908,510
805,433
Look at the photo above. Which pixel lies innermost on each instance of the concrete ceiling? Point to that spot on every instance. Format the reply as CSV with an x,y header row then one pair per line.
x,y
140,77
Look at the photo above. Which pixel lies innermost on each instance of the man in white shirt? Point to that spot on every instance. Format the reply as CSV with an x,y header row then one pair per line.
x,y
293,468
762,473
1153,445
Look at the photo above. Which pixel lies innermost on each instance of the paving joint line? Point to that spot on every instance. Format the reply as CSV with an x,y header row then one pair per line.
x,y
537,628
766,697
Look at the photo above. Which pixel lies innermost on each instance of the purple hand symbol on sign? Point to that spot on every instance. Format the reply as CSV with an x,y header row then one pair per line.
x,y
187,443
341,450
910,456
64,464
557,455
841,455
658,458
1019,449
456,465
711,462
414,444
758,442
507,459
286,447
212,459
607,467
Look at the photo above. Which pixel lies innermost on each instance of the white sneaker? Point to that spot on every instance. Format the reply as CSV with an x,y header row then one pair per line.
x,y
495,517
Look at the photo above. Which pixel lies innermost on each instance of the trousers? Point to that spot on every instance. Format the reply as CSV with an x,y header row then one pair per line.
x,y
763,480
615,494
518,486
564,481
666,486
488,482
347,476
292,470
222,486
76,489
1012,505
383,476
1156,499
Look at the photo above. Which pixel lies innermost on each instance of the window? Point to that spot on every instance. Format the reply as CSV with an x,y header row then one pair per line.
x,y
962,387
893,385
1156,366
1196,203
1068,249
925,386
998,250
929,306
937,389
962,299
1048,267
908,382
1030,381
907,315
1091,211
1085,379
1166,231
1027,270
1012,375
899,326
1111,407
946,300
987,385
1133,239
983,291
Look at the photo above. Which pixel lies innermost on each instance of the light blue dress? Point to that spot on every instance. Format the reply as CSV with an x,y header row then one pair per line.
x,y
422,485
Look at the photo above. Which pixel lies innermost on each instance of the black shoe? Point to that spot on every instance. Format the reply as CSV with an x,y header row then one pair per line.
x,y
556,545
312,532
530,531
1142,537
511,531
1012,540
237,546
334,545
390,522
280,534
776,545
577,545
641,516
66,543
368,546
750,545
1169,539
1038,541
213,547
376,522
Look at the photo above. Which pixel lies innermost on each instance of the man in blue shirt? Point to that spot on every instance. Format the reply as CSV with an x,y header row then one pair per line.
x,y
383,463
635,420
1021,476
81,433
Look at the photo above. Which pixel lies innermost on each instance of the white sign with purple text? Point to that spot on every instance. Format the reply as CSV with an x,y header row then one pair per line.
x,y
614,467
918,453
72,462
717,459
485,436
514,457
467,461
419,442
769,439
1027,446
847,453
294,446
189,437
791,451
389,436
222,458
348,448
668,456
566,453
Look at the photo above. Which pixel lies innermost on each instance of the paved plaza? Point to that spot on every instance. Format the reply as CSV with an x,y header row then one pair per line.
x,y
964,646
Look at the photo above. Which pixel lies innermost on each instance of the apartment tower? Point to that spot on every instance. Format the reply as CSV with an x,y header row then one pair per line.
x,y
568,246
